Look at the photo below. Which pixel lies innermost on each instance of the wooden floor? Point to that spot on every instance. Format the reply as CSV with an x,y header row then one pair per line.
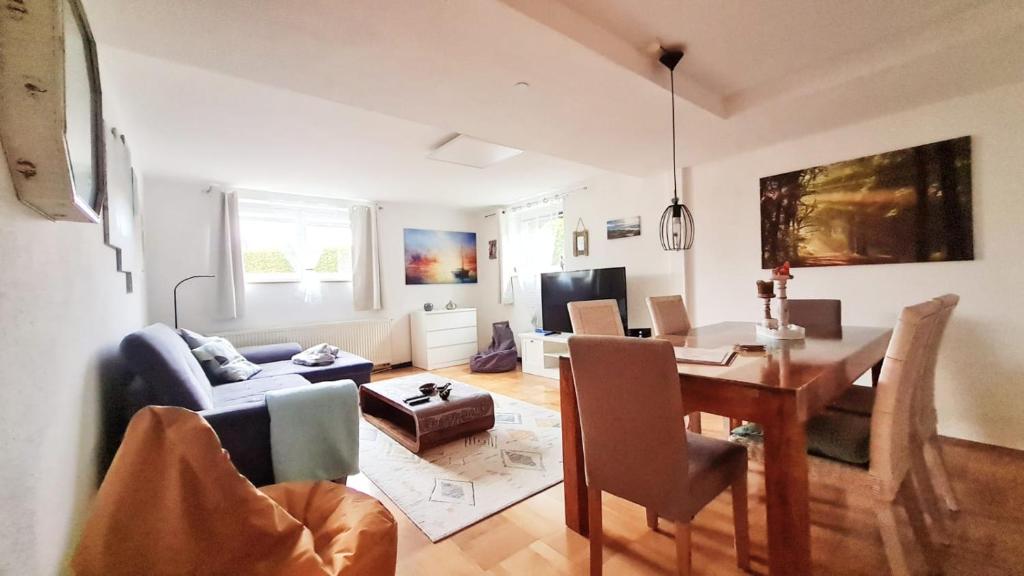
x,y
531,538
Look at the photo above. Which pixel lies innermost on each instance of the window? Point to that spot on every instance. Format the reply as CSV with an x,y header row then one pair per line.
x,y
533,243
294,238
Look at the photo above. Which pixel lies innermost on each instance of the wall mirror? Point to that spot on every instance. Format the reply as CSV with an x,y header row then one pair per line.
x,y
51,119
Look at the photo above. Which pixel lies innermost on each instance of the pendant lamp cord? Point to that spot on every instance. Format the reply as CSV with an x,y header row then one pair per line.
x,y
672,83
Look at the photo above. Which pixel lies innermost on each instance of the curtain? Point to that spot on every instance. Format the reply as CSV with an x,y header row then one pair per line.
x,y
365,258
506,268
230,274
533,236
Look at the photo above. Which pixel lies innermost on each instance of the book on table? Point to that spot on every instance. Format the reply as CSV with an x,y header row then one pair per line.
x,y
709,356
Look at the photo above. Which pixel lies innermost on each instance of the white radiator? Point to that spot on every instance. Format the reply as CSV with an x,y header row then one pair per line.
x,y
370,339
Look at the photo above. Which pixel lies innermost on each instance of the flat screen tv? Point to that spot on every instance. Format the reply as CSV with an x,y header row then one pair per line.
x,y
557,289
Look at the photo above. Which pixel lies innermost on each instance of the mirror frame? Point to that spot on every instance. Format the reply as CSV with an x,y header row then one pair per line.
x,y
32,110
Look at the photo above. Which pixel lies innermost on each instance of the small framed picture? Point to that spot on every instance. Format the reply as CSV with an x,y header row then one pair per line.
x,y
581,243
492,249
624,228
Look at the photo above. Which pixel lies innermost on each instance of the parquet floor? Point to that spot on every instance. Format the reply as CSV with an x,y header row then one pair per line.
x,y
530,538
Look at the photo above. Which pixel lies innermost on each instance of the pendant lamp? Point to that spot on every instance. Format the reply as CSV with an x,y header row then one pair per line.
x,y
676,220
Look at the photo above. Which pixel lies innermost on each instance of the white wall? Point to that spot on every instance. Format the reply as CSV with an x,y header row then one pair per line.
x,y
181,223
650,271
982,368
63,309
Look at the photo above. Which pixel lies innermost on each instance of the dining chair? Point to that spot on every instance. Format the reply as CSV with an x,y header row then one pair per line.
x,y
630,410
669,318
860,400
881,455
596,317
821,318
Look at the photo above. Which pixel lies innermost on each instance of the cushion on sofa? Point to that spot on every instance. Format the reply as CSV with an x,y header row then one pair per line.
x,y
345,367
222,362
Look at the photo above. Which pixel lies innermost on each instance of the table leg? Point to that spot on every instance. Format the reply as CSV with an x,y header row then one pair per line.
x,y
876,371
786,488
577,514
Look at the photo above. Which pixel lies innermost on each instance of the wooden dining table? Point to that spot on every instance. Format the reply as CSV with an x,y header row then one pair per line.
x,y
780,389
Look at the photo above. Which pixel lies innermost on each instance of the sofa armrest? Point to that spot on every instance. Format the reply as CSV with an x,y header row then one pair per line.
x,y
270,352
244,432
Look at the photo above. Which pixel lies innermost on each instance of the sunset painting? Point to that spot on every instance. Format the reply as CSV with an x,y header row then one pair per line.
x,y
910,205
439,257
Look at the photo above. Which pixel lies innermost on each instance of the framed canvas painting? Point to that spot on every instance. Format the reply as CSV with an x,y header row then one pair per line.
x,y
624,228
440,257
909,205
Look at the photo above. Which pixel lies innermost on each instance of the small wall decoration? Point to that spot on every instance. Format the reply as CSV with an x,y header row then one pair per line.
x,y
492,249
119,204
624,228
909,205
440,257
580,240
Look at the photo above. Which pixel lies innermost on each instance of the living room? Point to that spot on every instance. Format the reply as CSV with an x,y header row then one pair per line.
x,y
351,174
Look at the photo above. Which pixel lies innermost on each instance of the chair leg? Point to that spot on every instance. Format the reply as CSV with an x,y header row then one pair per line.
x,y
652,519
694,423
596,530
741,526
683,548
910,500
886,514
938,472
930,503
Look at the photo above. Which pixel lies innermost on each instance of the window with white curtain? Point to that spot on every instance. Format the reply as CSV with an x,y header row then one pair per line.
x,y
533,239
291,238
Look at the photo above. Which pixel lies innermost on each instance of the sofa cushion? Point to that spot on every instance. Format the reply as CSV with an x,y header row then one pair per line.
x,y
170,374
253,390
222,362
345,367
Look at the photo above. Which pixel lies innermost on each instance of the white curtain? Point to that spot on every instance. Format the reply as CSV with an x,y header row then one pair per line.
x,y
506,267
230,273
365,258
533,243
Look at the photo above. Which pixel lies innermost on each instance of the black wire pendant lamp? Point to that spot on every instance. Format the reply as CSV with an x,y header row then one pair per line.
x,y
676,220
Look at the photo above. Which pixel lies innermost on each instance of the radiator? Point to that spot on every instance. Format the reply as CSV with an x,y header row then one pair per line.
x,y
370,339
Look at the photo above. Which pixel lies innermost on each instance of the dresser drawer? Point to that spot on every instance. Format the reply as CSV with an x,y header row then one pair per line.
x,y
449,320
450,354
441,338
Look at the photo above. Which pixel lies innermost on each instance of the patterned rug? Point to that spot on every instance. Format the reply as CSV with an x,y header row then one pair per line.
x,y
451,487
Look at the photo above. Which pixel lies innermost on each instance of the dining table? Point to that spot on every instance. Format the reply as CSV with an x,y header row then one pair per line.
x,y
779,388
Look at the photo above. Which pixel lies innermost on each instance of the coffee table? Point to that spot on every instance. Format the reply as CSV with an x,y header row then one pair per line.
x,y
467,411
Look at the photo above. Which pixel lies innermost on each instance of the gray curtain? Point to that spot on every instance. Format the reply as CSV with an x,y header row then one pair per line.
x,y
365,258
230,273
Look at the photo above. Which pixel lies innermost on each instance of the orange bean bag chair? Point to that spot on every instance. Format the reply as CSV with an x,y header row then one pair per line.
x,y
172,503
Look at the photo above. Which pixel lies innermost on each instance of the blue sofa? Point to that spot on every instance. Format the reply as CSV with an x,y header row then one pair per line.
x,y
167,374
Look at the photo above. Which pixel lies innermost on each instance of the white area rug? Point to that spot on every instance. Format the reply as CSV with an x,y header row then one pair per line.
x,y
450,487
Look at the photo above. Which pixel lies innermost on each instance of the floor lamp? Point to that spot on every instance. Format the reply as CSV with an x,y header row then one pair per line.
x,y
176,294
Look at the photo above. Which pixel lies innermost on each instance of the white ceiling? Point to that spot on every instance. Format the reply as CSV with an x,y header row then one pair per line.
x,y
295,86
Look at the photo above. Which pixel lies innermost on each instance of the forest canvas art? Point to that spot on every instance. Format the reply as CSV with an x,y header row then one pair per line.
x,y
909,205
440,257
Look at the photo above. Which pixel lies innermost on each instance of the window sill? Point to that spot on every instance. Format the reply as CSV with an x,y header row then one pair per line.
x,y
296,281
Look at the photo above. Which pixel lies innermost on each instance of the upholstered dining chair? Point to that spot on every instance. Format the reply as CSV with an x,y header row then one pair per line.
x,y
821,318
668,315
596,318
885,448
860,400
635,447
669,318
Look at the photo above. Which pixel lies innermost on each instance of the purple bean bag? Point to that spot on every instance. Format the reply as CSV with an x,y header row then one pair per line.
x,y
500,356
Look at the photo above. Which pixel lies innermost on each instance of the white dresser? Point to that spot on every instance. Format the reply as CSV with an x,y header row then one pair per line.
x,y
443,338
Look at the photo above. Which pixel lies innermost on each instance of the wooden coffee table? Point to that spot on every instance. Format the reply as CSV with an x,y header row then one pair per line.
x,y
467,411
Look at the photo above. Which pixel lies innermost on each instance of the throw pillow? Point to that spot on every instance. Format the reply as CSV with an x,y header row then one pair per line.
x,y
222,363
192,339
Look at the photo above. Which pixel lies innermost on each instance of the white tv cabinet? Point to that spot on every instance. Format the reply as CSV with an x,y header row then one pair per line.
x,y
540,353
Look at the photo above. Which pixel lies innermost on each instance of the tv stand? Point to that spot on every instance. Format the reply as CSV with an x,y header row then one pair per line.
x,y
540,352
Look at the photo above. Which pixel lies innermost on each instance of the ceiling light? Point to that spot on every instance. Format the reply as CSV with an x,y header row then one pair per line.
x,y
474,152
676,220
521,86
